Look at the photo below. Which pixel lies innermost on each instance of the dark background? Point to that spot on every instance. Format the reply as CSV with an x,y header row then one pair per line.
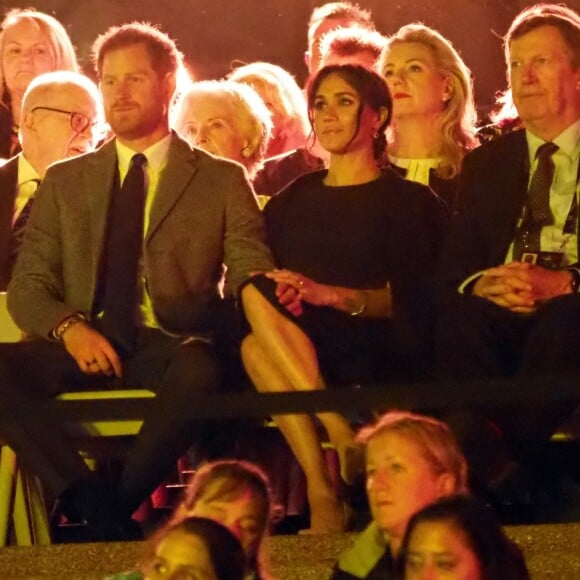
x,y
213,33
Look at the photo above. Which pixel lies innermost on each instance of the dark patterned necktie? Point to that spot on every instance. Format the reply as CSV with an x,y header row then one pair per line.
x,y
122,253
20,222
537,213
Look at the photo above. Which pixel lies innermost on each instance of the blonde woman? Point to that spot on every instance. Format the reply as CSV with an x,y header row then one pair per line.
x,y
434,115
289,152
31,43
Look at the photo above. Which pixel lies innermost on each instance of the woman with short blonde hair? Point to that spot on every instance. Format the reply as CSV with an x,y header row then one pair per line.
x,y
45,43
411,460
227,119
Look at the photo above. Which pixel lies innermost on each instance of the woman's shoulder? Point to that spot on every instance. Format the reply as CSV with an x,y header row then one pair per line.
x,y
302,185
409,191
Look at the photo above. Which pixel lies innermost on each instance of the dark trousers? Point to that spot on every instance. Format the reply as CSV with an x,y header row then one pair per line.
x,y
32,373
476,339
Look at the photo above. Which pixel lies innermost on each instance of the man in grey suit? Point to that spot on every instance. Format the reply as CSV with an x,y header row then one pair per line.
x,y
197,213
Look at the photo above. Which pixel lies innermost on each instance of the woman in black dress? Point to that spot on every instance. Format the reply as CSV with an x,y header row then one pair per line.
x,y
356,244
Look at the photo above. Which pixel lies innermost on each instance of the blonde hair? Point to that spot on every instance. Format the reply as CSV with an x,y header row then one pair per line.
x,y
460,116
62,47
434,439
228,479
283,91
249,108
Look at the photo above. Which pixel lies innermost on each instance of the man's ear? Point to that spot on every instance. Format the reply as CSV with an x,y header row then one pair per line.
x,y
170,83
29,121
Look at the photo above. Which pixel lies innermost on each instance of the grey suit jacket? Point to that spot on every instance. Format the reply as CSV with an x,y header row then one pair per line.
x,y
204,215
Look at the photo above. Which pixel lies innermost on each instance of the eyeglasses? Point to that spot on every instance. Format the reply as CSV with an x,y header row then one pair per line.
x,y
78,121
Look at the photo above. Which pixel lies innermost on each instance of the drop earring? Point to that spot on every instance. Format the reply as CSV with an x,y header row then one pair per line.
x,y
245,152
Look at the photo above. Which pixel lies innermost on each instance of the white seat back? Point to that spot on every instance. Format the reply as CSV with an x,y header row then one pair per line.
x,y
9,332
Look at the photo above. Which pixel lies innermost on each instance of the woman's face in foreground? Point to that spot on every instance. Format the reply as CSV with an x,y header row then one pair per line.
x,y
180,556
241,514
439,551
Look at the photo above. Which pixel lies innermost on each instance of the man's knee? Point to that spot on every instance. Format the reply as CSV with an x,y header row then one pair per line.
x,y
194,368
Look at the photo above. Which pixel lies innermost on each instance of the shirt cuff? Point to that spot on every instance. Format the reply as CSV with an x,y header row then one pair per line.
x,y
467,285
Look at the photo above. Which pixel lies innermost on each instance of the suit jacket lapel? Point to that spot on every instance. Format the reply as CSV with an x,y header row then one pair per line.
x,y
177,174
8,191
99,180
577,213
514,174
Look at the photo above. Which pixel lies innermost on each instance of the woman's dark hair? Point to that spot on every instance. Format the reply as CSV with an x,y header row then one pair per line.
x,y
225,552
499,558
372,91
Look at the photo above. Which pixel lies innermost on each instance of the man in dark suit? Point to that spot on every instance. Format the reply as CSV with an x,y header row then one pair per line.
x,y
61,113
136,310
510,266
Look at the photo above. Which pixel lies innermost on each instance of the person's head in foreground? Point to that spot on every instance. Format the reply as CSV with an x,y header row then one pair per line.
x,y
411,460
349,108
195,549
227,119
236,494
459,538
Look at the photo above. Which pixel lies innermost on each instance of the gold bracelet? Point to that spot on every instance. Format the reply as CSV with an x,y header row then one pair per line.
x,y
363,307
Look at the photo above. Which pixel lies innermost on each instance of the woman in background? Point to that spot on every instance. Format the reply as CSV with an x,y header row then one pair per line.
x,y
289,152
31,43
434,116
285,100
459,538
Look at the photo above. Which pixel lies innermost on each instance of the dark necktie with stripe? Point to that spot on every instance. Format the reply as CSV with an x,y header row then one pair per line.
x,y
122,253
537,213
20,222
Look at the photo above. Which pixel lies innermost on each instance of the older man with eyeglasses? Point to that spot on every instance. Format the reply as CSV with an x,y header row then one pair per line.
x,y
62,116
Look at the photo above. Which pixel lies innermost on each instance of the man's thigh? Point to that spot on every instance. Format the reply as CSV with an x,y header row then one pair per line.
x,y
164,363
553,342
41,369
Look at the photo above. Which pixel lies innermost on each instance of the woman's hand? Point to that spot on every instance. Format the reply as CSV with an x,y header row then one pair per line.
x,y
308,290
